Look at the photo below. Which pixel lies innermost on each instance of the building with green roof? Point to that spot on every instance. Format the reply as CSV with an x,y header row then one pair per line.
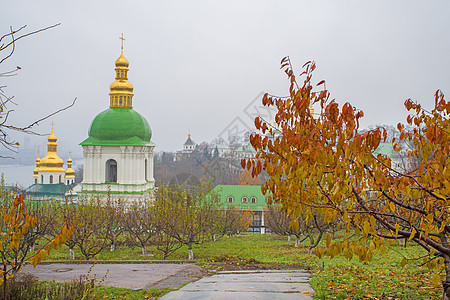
x,y
44,192
245,197
118,153
399,160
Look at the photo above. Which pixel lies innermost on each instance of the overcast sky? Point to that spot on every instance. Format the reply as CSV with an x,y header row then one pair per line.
x,y
199,65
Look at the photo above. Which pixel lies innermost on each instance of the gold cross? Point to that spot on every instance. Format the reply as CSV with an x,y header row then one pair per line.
x,y
52,125
123,39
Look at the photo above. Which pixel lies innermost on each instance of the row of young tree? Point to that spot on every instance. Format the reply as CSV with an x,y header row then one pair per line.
x,y
176,217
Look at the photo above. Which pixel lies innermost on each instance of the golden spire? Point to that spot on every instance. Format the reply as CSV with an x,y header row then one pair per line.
x,y
121,90
189,135
51,162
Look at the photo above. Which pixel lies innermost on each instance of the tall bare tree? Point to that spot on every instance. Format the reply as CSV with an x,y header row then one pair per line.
x,y
7,47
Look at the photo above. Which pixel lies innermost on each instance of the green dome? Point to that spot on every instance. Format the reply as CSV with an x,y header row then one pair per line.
x,y
119,126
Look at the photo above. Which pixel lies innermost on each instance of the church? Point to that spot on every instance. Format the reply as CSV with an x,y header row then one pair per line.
x,y
118,153
51,181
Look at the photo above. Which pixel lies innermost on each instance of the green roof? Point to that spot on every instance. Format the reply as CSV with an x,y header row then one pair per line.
x,y
119,126
388,150
238,192
49,190
247,148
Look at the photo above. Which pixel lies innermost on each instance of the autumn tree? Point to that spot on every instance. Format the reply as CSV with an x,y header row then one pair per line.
x,y
17,228
92,226
185,214
320,164
140,224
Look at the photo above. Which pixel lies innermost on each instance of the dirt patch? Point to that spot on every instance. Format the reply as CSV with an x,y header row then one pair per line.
x,y
190,273
231,263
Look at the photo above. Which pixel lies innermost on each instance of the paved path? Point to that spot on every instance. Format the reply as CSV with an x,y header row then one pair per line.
x,y
132,276
247,285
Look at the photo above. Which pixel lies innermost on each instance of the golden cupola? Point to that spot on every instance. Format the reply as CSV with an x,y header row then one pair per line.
x,y
37,169
70,173
121,90
51,162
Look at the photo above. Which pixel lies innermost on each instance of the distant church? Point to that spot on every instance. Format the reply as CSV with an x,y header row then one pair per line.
x,y
118,154
51,181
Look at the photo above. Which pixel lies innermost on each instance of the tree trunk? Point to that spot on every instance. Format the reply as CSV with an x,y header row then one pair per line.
x,y
191,253
289,238
113,247
297,242
4,281
446,283
144,251
72,253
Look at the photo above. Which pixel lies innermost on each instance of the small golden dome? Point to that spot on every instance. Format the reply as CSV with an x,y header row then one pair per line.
x,y
122,61
70,173
51,162
52,137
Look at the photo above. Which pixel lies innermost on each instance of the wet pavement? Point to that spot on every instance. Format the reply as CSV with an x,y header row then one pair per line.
x,y
256,284
247,285
131,276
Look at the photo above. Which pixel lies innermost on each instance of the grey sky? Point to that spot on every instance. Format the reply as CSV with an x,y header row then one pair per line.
x,y
196,65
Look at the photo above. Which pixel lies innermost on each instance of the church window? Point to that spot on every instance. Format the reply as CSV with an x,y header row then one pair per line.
x,y
51,178
68,181
244,199
253,199
42,178
60,179
230,199
111,171
116,101
35,180
120,101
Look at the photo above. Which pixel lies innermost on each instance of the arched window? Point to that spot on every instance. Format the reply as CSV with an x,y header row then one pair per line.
x,y
115,103
51,178
253,199
244,199
120,101
111,171
35,180
60,179
230,199
68,181
42,178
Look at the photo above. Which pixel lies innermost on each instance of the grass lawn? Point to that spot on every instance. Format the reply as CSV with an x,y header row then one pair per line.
x,y
339,278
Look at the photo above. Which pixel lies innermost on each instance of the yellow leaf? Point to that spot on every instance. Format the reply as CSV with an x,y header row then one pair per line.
x,y
392,206
442,227
345,217
432,251
366,227
397,226
328,240
413,233
403,262
436,278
